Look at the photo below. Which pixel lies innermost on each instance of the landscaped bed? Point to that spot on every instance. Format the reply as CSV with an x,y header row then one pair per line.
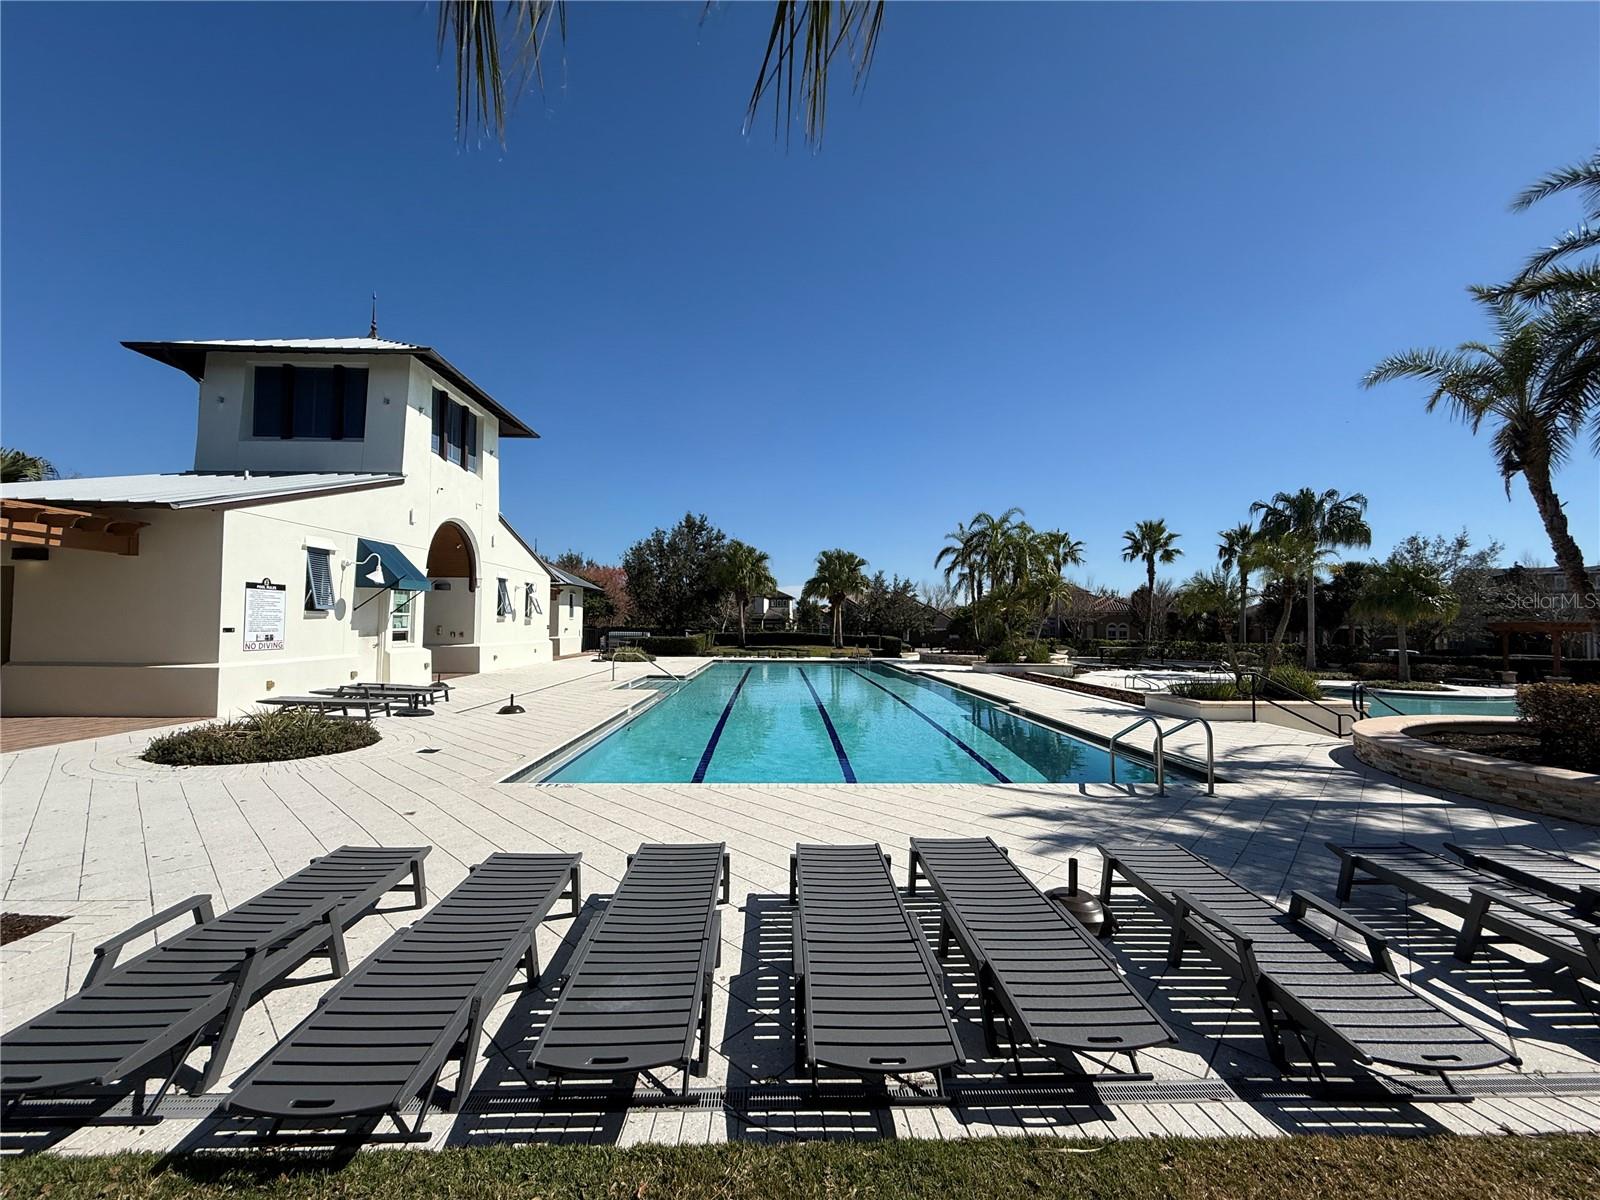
x,y
1521,747
1351,1168
261,737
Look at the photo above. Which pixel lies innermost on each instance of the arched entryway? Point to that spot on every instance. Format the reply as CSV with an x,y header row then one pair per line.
x,y
451,614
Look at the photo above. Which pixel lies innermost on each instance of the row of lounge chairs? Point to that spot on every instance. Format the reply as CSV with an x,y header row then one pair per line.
x,y
364,699
636,994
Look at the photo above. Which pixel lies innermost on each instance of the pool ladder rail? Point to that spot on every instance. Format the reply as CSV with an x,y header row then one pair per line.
x,y
1160,754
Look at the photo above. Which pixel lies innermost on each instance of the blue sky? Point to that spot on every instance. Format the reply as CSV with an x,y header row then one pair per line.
x,y
1103,262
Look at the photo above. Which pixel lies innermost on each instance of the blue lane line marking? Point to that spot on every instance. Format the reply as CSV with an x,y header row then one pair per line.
x,y
975,756
716,734
833,734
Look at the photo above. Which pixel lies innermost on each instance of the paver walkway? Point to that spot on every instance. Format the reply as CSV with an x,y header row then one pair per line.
x,y
89,831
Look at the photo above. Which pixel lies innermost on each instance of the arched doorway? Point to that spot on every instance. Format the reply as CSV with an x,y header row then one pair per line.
x,y
451,616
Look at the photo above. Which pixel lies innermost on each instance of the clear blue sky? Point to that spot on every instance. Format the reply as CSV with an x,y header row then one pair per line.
x,y
1106,263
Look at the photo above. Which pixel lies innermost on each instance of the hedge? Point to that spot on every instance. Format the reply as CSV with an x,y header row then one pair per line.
x,y
1566,717
779,637
676,647
261,737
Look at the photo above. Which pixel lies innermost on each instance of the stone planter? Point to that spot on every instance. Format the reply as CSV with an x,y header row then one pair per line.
x,y
1062,670
1391,744
1291,714
949,660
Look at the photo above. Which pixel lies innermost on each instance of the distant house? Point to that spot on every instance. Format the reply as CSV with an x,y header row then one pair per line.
x,y
342,521
774,611
1091,616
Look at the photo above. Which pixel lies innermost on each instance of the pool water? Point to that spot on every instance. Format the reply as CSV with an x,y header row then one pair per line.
x,y
1390,704
834,723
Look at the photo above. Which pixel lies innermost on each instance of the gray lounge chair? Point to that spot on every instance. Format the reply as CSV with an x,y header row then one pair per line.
x,y
1485,903
1294,977
382,1036
1545,871
867,992
1039,970
127,1021
639,985
333,704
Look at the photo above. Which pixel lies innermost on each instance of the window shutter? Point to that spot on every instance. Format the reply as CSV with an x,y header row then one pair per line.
x,y
527,602
441,410
319,581
503,600
471,438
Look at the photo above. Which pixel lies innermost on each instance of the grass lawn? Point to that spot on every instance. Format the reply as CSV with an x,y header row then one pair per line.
x,y
1433,1168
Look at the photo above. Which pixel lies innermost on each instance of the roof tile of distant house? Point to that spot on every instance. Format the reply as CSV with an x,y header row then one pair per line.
x,y
190,358
193,489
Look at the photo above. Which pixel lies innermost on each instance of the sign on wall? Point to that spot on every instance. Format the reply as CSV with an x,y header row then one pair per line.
x,y
266,615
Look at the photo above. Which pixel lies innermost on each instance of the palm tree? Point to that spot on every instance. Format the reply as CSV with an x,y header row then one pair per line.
x,y
1233,550
839,573
1508,381
1405,593
958,560
1151,541
990,535
801,45
1285,562
1320,522
1054,549
1212,593
17,466
1547,271
745,574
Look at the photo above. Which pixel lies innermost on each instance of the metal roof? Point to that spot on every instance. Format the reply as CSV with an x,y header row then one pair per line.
x,y
190,358
568,579
192,489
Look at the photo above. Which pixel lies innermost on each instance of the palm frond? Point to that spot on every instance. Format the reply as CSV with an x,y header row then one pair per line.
x,y
1582,177
473,33
804,38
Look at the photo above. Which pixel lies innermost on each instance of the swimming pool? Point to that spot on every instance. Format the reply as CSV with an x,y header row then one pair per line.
x,y
1391,704
833,723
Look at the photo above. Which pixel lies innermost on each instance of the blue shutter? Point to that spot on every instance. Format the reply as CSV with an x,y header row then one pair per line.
x,y
319,581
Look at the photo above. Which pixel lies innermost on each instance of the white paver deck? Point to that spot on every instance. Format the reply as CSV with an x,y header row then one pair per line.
x,y
89,831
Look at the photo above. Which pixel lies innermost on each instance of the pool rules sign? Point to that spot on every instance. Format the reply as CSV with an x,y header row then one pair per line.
x,y
266,615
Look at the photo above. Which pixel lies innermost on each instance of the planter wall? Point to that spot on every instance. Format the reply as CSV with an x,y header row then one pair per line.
x,y
1390,744
1062,670
1291,714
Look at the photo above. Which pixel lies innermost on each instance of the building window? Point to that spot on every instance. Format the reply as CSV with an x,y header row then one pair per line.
x,y
572,601
400,617
455,432
319,581
502,603
527,602
310,402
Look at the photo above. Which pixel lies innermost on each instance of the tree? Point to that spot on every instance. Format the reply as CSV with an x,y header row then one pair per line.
x,y
1152,606
1320,522
608,608
1507,382
838,574
1404,593
1153,542
673,576
1284,562
958,558
17,466
1472,575
808,617
1056,550
745,573
1233,550
1214,594
805,37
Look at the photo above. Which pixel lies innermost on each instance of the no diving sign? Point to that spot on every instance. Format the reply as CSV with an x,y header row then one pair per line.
x,y
266,615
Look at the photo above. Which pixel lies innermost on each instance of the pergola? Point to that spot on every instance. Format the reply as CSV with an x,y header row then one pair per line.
x,y
1555,630
30,523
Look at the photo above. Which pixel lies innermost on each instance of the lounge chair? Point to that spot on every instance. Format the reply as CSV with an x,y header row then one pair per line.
x,y
382,1036
128,1020
1294,977
1544,871
1038,969
639,985
867,991
332,704
1484,902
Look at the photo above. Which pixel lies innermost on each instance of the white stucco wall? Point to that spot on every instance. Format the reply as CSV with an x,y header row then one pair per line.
x,y
110,617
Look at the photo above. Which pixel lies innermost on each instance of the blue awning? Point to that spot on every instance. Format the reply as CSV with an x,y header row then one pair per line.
x,y
389,569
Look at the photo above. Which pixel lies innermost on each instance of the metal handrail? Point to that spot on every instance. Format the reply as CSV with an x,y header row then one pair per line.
x,y
1131,679
1211,757
1160,754
1361,698
1257,679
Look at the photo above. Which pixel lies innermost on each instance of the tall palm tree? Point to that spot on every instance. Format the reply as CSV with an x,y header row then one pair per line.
x,y
1283,561
1321,522
839,573
17,466
990,535
958,559
1507,381
1405,593
1548,270
1153,542
1212,593
1054,549
806,35
1233,550
745,574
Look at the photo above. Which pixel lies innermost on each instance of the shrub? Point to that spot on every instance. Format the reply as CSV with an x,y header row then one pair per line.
x,y
629,654
890,648
261,737
1295,679
1412,685
1017,649
676,647
1566,717
1206,689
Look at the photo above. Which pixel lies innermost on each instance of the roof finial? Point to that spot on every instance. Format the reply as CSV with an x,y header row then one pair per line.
x,y
373,332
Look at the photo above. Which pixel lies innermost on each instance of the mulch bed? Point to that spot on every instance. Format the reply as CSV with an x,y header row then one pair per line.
x,y
1519,747
16,926
1088,689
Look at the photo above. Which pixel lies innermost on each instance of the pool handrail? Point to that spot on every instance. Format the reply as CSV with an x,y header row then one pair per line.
x,y
1160,755
1258,680
1211,757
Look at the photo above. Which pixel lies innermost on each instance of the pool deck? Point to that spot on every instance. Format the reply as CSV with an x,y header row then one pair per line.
x,y
92,833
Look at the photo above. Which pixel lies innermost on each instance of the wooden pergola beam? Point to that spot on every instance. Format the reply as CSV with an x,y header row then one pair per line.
x,y
27,523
